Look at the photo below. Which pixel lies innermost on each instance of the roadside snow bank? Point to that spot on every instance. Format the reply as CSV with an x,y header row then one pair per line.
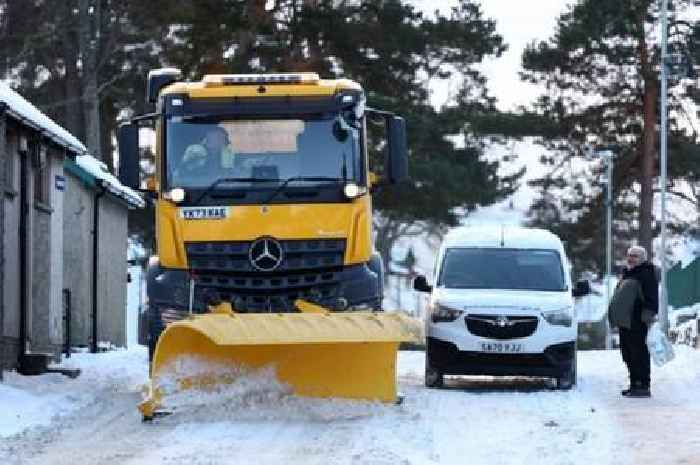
x,y
30,401
21,409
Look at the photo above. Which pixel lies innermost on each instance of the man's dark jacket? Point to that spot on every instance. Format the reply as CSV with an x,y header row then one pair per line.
x,y
646,274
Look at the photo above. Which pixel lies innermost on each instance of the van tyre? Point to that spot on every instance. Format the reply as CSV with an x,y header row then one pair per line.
x,y
568,380
434,378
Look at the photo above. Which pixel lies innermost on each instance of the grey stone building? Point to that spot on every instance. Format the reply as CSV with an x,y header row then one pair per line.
x,y
33,241
94,252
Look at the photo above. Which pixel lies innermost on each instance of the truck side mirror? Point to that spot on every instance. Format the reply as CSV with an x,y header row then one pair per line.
x,y
128,140
420,284
396,161
581,288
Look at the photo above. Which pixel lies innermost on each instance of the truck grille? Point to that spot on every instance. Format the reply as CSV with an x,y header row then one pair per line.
x,y
501,327
310,269
234,256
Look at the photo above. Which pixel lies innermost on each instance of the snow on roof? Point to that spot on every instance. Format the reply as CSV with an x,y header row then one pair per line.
x,y
97,169
24,111
490,236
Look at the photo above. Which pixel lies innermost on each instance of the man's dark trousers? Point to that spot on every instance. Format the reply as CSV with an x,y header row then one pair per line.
x,y
633,345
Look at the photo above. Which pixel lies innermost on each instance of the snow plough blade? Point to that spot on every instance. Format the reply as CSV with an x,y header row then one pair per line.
x,y
315,353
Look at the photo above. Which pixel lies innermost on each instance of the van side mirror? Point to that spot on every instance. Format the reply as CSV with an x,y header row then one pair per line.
x,y
581,288
128,140
396,159
420,284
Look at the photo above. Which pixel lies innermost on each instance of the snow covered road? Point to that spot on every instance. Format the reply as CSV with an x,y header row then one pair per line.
x,y
93,420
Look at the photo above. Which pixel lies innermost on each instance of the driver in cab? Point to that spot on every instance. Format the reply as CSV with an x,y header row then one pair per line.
x,y
209,156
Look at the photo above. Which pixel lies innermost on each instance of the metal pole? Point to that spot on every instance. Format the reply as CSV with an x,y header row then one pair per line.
x,y
4,154
608,245
663,310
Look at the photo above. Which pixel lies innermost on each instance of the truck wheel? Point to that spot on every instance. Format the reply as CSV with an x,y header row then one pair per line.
x,y
434,378
155,327
375,264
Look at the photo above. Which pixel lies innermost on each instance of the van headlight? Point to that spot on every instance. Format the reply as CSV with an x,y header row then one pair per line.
x,y
562,317
443,314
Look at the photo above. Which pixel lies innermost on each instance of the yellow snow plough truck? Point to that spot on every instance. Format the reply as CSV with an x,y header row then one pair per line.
x,y
263,234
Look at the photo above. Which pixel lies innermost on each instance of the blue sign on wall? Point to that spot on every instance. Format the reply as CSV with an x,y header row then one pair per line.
x,y
60,183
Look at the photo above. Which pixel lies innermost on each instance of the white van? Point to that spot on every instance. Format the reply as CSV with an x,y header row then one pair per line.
x,y
501,303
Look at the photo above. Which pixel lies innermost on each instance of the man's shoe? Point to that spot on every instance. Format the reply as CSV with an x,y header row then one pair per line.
x,y
639,392
626,392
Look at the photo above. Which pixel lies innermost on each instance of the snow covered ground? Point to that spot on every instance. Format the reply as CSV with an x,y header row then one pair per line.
x,y
93,420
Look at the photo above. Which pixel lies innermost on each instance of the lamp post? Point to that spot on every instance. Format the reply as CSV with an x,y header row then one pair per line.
x,y
608,156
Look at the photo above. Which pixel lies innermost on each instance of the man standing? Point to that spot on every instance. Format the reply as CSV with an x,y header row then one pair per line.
x,y
633,308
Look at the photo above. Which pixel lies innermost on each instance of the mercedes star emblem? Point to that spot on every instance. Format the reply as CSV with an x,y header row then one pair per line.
x,y
266,254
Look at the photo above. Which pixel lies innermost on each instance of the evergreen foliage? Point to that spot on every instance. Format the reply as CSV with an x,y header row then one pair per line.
x,y
75,57
600,69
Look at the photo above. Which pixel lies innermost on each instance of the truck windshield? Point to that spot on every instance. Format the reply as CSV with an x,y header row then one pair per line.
x,y
201,151
485,268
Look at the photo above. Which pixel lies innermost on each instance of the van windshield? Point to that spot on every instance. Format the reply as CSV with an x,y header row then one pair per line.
x,y
491,268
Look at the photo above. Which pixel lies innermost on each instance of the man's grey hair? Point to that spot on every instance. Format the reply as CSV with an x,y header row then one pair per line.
x,y
638,250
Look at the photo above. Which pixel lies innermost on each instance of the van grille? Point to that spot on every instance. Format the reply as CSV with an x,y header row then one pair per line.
x,y
501,327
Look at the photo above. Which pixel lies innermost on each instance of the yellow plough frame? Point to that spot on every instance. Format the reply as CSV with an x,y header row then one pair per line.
x,y
317,353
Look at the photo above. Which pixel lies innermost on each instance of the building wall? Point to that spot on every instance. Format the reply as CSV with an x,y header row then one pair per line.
x,y
56,297
47,270
77,256
78,265
113,272
44,257
11,289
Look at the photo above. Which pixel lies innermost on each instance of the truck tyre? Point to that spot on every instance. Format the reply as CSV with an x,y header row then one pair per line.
x,y
376,265
434,378
155,327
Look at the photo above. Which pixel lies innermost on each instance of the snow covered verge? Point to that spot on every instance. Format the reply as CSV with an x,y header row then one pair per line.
x,y
93,420
29,401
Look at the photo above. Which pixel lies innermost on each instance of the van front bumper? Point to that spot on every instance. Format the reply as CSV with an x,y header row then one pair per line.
x,y
556,361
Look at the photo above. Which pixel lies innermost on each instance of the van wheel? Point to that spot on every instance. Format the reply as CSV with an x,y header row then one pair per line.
x,y
434,378
568,381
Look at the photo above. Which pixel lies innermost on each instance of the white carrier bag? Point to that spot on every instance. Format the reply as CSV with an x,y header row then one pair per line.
x,y
660,348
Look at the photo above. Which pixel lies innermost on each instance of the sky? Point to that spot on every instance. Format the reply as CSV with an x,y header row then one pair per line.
x,y
519,22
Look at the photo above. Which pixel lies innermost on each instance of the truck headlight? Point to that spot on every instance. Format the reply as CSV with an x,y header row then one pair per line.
x,y
443,314
352,190
561,317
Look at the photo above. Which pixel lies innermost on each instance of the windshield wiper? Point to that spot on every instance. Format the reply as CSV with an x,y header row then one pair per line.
x,y
286,182
213,185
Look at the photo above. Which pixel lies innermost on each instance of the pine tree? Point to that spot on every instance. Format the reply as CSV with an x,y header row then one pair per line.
x,y
600,69
392,49
82,61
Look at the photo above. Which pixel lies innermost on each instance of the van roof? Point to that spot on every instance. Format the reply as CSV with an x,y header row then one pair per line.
x,y
502,236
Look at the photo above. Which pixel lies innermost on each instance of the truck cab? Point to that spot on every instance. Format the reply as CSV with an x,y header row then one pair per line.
x,y
262,192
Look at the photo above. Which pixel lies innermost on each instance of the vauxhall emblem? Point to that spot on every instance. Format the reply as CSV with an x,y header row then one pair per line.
x,y
502,321
266,254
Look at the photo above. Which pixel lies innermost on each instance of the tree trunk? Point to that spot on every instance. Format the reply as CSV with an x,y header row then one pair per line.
x,y
73,109
647,172
108,128
648,149
384,241
89,38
